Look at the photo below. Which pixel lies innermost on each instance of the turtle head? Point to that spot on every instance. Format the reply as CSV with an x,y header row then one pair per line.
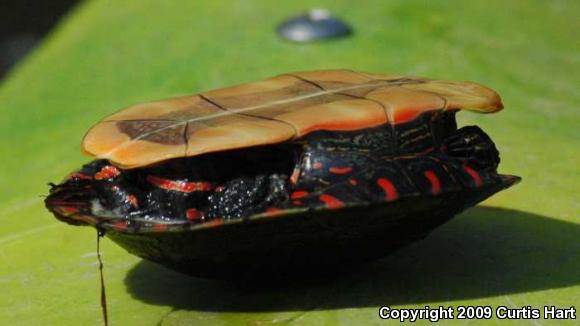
x,y
69,202
87,196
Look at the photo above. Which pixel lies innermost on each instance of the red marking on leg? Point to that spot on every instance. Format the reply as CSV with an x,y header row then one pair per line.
x,y
473,174
219,189
181,186
133,201
337,170
389,189
331,201
317,165
159,227
353,182
193,214
435,183
298,194
294,177
273,211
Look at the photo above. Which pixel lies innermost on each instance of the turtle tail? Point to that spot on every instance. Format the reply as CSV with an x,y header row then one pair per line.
x,y
473,146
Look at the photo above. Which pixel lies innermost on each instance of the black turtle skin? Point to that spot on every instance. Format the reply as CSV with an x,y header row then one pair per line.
x,y
325,201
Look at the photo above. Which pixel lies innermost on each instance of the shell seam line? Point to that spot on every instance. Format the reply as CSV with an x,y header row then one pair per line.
x,y
386,110
308,82
186,138
205,98
139,120
295,99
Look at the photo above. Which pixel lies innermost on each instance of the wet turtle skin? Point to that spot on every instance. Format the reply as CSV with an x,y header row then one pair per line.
x,y
322,202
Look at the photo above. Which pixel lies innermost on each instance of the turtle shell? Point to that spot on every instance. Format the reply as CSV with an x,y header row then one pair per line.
x,y
303,172
272,111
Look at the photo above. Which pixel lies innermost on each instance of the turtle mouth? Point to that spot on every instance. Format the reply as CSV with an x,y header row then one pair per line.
x,y
69,203
82,203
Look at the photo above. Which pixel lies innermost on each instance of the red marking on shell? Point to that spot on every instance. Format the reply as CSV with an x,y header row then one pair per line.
x,y
353,182
159,227
435,183
317,165
389,189
107,172
121,225
473,174
193,214
181,186
338,170
340,125
331,201
298,194
219,189
405,115
133,201
294,176
273,211
297,203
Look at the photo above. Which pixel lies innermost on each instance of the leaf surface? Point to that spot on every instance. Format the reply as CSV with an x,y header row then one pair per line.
x,y
520,248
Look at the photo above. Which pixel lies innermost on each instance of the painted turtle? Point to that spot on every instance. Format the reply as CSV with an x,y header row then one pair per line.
x,y
301,172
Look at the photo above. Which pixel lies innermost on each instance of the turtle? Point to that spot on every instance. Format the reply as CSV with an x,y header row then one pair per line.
x,y
298,174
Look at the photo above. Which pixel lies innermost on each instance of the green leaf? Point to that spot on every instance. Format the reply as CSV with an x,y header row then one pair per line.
x,y
519,249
